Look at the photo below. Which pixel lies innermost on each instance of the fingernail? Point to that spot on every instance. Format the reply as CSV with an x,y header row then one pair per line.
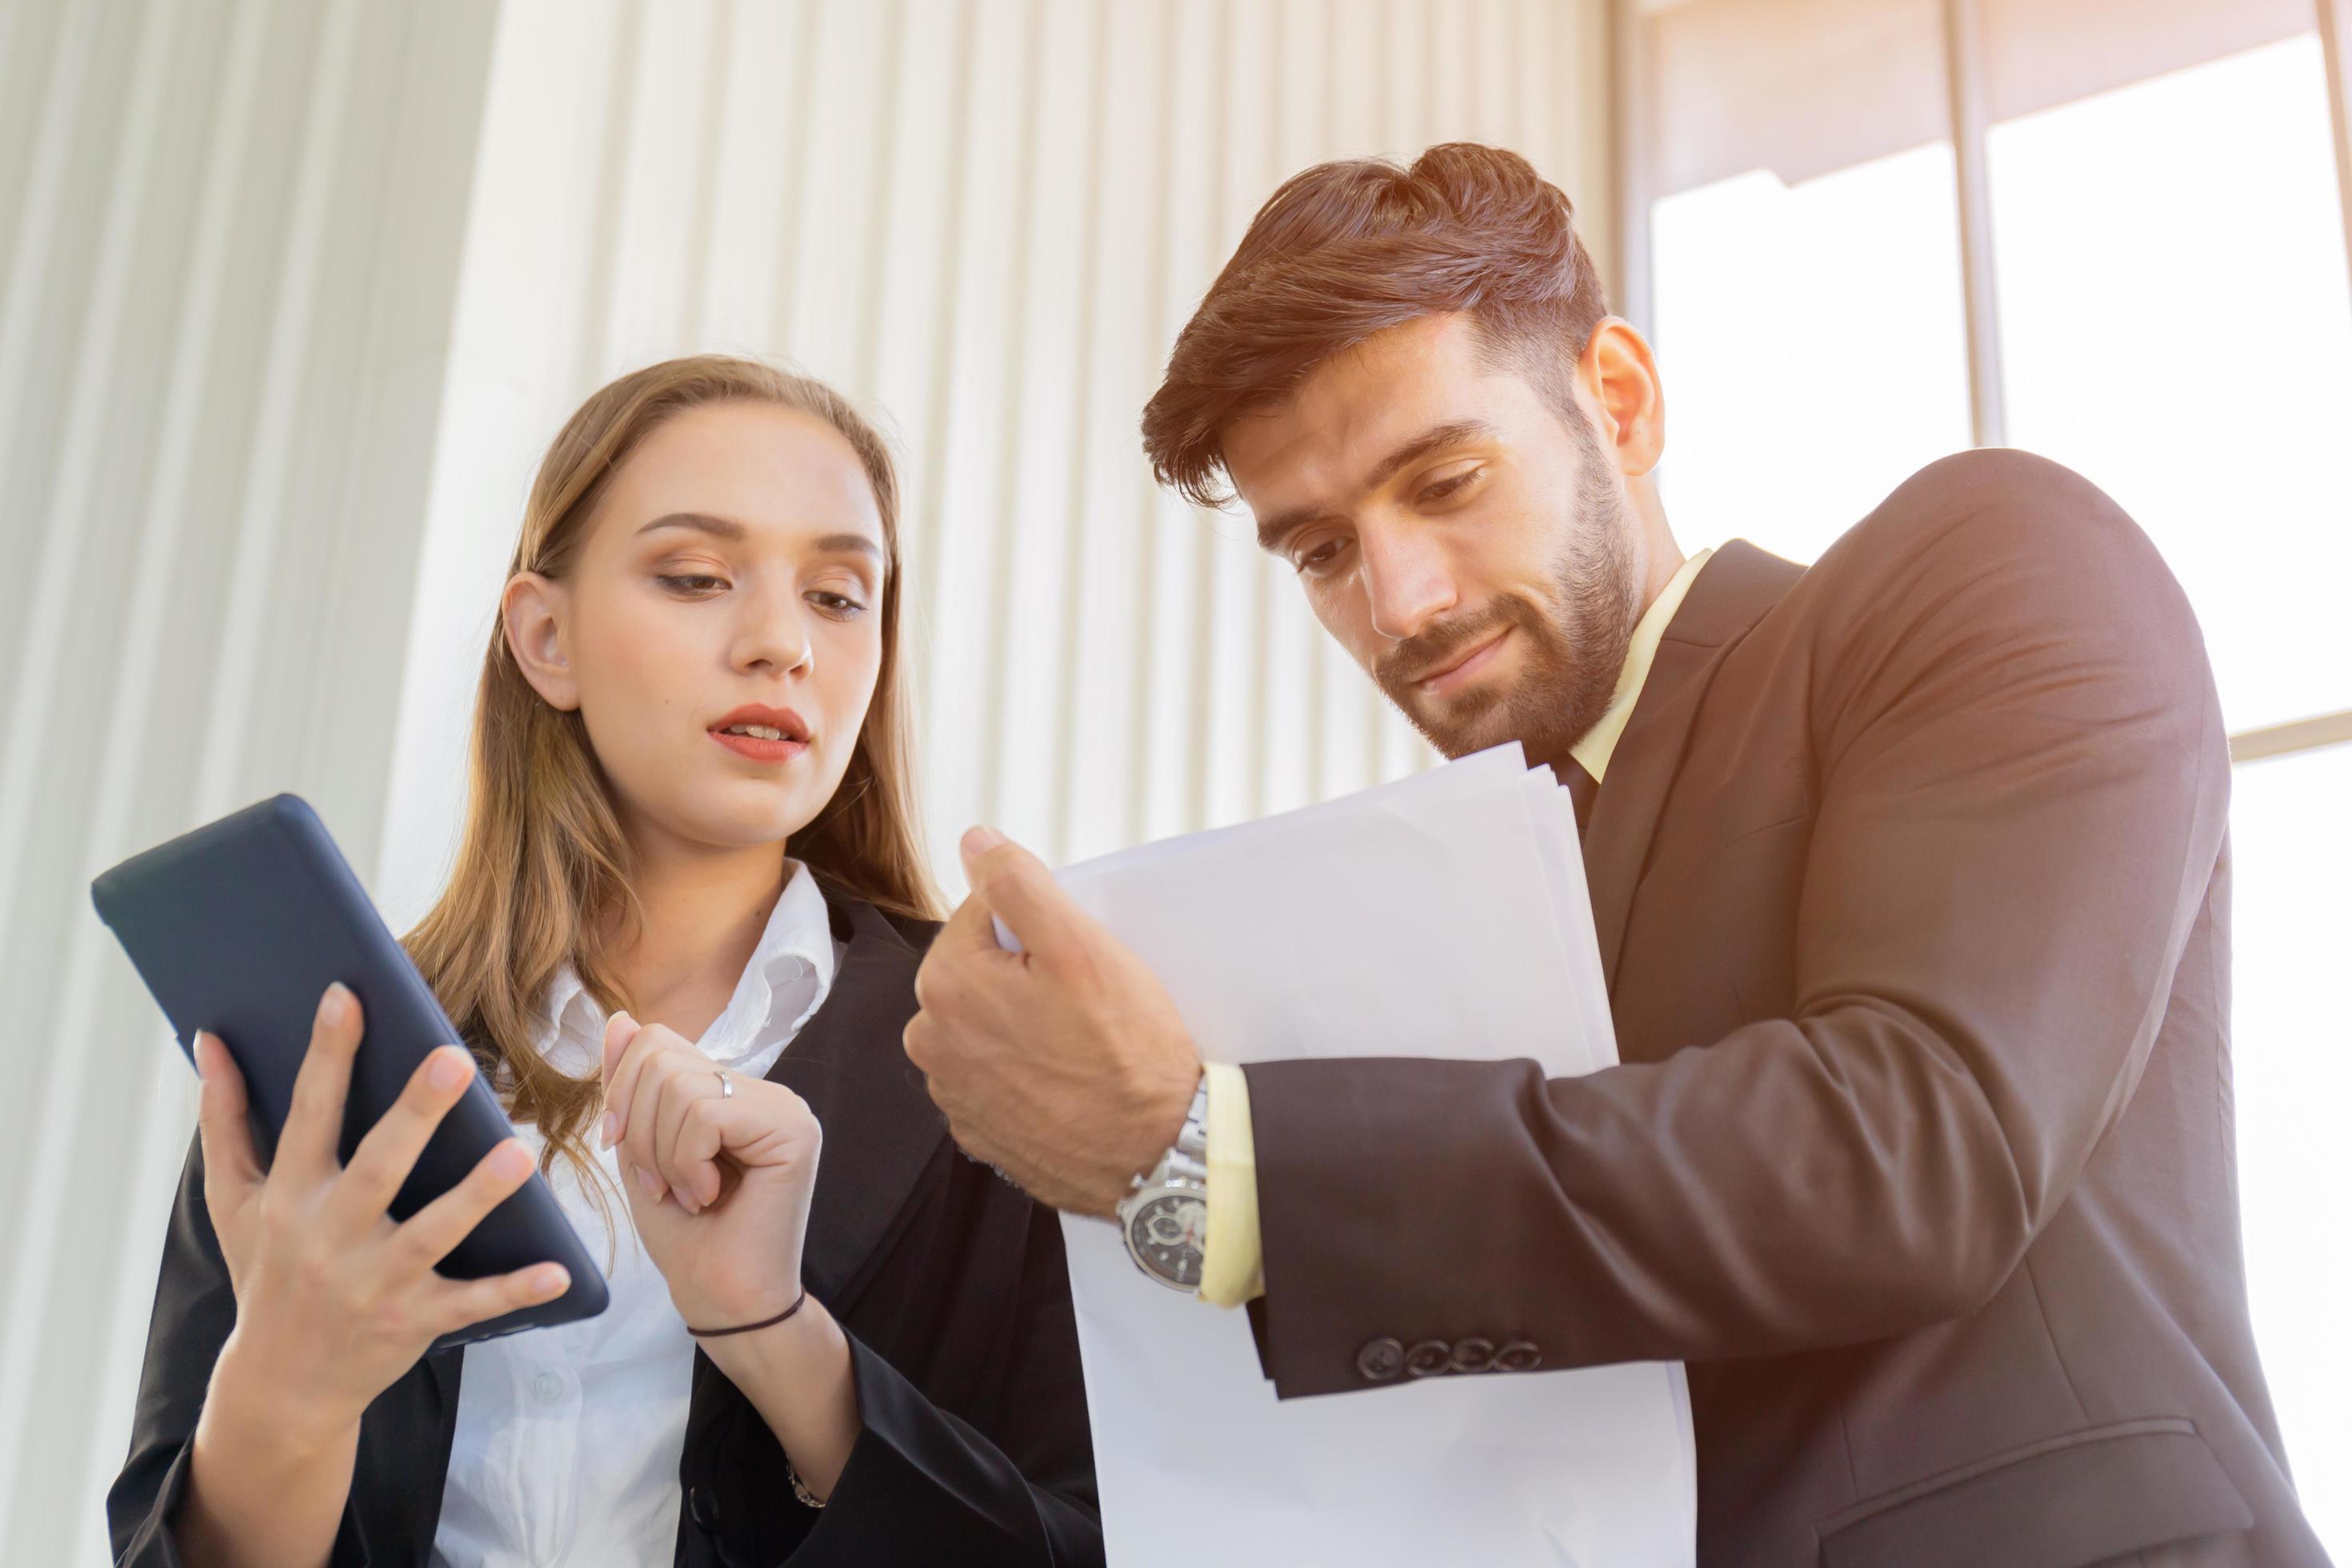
x,y
981,840
550,1282
611,1125
513,1161
197,1052
651,1184
332,1006
450,1068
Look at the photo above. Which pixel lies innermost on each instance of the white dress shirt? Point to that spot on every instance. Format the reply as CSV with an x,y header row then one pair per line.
x,y
568,1438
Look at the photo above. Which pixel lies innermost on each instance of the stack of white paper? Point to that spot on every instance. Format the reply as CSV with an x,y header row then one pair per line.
x,y
1444,915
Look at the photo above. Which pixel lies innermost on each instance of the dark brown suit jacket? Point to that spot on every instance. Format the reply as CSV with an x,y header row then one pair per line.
x,y
949,1281
1912,887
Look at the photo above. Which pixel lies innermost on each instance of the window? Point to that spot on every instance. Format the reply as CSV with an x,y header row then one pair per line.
x,y
1807,264
2177,324
1857,336
2292,847
2156,195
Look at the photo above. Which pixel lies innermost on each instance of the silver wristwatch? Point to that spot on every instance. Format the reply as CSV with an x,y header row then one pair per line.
x,y
1165,1218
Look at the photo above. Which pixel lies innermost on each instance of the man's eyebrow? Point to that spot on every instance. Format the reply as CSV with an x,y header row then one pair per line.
x,y
1272,532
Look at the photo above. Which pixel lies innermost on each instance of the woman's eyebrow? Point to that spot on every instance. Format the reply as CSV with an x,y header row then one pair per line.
x,y
729,530
701,522
849,544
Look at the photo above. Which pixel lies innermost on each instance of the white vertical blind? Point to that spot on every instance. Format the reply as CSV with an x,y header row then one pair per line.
x,y
294,293
229,233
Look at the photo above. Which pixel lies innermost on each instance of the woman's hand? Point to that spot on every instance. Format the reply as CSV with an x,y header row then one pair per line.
x,y
334,1300
719,1182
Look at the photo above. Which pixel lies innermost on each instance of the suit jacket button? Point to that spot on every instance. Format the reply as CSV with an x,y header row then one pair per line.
x,y
1472,1355
1380,1360
1519,1355
1428,1358
702,1508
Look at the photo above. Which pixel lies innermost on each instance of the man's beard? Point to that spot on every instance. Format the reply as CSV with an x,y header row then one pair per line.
x,y
1575,645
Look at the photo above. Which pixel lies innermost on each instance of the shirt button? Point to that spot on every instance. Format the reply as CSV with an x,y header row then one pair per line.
x,y
1380,1360
547,1387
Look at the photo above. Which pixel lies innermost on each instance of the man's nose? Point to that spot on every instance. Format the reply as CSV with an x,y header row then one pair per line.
x,y
1406,579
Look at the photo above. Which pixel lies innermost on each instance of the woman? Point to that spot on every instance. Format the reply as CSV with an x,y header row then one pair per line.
x,y
863,1358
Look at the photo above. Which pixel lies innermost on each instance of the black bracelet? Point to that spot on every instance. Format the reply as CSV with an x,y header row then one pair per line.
x,y
798,1302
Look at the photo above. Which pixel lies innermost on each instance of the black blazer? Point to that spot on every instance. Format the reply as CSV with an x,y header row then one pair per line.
x,y
1912,891
949,1281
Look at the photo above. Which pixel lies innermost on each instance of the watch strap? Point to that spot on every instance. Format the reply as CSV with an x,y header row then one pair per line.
x,y
1188,1160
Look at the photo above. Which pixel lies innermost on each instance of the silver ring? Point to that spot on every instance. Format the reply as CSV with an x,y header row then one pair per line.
x,y
725,1084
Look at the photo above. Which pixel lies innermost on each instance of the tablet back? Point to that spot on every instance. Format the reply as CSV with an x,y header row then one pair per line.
x,y
238,928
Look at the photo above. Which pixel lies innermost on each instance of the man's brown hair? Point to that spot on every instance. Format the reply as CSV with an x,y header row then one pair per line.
x,y
1353,247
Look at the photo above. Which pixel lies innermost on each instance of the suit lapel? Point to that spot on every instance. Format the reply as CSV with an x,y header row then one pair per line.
x,y
446,1370
881,1129
1738,583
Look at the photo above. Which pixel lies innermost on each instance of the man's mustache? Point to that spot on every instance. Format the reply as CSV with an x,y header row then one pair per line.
x,y
1434,647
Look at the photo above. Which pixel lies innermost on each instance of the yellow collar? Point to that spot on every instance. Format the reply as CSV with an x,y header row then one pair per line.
x,y
1600,742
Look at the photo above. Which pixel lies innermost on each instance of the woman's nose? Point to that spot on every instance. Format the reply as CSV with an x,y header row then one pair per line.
x,y
774,638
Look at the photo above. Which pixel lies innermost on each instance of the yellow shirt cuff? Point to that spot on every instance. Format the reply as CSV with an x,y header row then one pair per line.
x,y
1232,1262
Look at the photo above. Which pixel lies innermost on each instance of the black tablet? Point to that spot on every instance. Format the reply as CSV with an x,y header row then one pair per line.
x,y
239,928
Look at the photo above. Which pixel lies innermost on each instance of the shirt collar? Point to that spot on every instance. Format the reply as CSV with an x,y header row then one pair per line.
x,y
790,973
1600,742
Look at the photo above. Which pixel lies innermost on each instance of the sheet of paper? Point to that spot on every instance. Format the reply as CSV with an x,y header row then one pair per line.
x,y
1443,915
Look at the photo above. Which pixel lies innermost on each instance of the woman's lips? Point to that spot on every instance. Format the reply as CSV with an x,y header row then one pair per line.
x,y
759,750
1447,681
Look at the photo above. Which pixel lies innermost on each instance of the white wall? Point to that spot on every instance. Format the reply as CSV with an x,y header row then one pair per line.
x,y
986,221
293,292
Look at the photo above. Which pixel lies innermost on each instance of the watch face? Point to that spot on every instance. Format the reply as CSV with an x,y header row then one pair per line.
x,y
1166,1234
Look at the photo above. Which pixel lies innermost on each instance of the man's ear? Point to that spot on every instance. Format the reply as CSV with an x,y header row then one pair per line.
x,y
532,612
1618,373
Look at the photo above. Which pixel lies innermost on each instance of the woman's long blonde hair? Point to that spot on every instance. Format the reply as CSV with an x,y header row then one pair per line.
x,y
542,879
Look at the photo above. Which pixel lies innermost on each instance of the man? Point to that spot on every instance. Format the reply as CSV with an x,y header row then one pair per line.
x,y
1911,885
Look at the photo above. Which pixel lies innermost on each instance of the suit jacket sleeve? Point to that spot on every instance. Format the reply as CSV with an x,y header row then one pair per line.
x,y
195,1307
195,1310
926,1485
2022,792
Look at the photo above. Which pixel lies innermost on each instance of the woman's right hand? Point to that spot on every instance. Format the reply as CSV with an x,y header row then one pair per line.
x,y
334,1299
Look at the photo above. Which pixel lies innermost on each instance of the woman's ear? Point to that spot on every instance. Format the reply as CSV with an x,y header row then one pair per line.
x,y
532,611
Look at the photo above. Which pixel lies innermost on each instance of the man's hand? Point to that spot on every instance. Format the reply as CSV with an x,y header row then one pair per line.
x,y
1064,1065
